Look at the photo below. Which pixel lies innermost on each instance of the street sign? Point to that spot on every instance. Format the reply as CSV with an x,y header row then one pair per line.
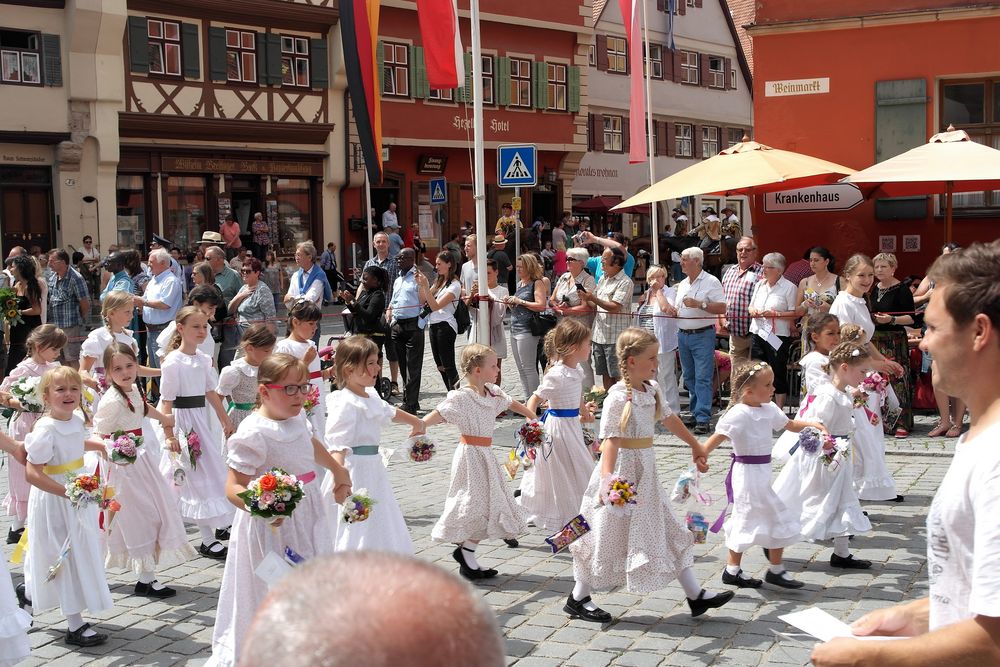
x,y
836,197
517,165
439,191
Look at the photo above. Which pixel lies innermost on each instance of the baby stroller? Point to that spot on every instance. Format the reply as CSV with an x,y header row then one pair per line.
x,y
383,386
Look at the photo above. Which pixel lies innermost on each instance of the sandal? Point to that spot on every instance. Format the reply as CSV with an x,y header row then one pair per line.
x,y
939,430
954,431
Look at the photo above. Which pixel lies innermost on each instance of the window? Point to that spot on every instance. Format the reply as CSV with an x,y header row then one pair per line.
x,y
656,60
20,55
973,106
689,67
131,200
613,134
732,78
487,80
684,146
616,55
294,197
556,86
520,82
164,47
186,200
691,3
241,56
441,95
734,136
592,56
294,61
709,141
396,69
716,72
655,137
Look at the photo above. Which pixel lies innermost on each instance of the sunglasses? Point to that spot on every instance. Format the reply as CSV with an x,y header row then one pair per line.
x,y
291,389
244,271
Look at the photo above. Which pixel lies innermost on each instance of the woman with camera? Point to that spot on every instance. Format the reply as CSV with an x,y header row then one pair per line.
x,y
566,301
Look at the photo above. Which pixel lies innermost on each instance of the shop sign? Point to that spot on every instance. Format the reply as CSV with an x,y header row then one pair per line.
x,y
432,165
238,166
836,197
493,124
25,154
787,87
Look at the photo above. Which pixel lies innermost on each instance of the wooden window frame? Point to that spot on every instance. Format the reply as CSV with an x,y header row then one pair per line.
x,y
554,85
243,54
435,95
683,141
396,71
656,136
489,80
687,68
20,54
732,132
617,59
520,83
707,141
163,42
299,55
610,133
987,133
656,61
592,55
717,76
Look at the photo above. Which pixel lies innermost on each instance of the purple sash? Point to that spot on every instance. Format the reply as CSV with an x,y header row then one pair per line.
x,y
762,459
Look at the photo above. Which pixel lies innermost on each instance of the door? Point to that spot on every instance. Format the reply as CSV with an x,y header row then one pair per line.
x,y
26,208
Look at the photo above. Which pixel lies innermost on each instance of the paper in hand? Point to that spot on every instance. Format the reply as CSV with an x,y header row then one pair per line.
x,y
824,627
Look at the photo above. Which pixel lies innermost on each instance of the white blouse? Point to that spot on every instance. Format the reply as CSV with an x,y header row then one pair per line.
x,y
853,310
781,297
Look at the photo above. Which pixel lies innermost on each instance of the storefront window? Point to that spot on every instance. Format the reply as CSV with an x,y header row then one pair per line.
x,y
185,210
131,209
294,197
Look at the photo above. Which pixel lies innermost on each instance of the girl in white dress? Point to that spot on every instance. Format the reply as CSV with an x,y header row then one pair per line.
x,y
116,311
872,478
189,381
238,380
355,417
276,435
44,346
148,531
552,487
479,506
647,548
14,621
825,498
55,449
303,321
759,517
207,298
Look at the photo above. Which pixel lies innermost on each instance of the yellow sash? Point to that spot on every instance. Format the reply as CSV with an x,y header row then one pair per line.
x,y
64,468
22,544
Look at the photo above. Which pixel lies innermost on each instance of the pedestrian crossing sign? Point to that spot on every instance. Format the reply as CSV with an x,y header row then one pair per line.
x,y
439,191
517,165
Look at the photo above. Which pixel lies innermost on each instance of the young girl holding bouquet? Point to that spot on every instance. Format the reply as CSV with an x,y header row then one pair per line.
x,y
189,381
55,450
276,435
116,312
148,531
355,417
759,517
238,380
303,320
552,487
478,506
646,548
14,621
822,492
44,346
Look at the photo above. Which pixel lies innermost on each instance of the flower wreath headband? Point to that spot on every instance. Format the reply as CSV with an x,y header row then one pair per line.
x,y
759,366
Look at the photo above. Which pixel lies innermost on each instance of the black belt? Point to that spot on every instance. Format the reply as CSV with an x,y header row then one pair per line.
x,y
184,402
698,330
156,327
400,320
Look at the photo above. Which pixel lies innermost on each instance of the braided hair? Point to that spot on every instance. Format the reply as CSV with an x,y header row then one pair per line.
x,y
633,341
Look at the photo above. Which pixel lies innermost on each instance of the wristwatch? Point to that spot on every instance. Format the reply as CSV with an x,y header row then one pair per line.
x,y
704,305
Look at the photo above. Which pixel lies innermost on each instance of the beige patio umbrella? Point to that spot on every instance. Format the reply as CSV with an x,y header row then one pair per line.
x,y
950,162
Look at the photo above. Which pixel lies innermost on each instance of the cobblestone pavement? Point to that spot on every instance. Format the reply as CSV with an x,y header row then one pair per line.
x,y
530,591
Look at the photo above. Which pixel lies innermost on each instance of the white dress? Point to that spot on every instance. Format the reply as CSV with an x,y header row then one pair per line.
x,y
825,499
238,381
14,623
647,548
203,494
148,531
298,350
759,518
813,376
94,346
551,488
259,445
80,584
354,422
479,505
163,342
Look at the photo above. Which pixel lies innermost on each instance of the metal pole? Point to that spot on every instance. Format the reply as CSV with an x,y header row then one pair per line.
x,y
655,231
479,177
368,218
517,226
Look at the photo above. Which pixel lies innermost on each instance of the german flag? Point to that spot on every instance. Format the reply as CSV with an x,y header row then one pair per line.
x,y
359,26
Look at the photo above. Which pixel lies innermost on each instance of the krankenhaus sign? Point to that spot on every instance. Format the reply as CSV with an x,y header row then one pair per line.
x,y
836,197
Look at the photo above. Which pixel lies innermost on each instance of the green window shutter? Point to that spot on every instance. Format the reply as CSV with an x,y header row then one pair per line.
x,y
900,124
51,60
320,67
260,41
217,54
273,45
380,63
573,85
502,77
541,85
190,53
138,45
413,72
467,90
423,89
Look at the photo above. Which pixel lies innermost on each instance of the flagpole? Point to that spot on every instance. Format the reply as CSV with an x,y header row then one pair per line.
x,y
655,232
368,216
479,177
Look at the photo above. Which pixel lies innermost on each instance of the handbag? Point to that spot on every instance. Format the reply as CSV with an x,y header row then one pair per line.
x,y
541,323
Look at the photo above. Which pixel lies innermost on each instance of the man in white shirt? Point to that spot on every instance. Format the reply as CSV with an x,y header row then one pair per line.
x,y
160,302
469,274
959,622
699,300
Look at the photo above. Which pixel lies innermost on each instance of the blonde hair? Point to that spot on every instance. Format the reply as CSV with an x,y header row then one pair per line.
x,y
352,354
633,341
532,267
62,374
854,262
886,257
743,375
113,301
852,333
656,270
45,337
109,354
276,366
183,316
846,353
474,356
563,339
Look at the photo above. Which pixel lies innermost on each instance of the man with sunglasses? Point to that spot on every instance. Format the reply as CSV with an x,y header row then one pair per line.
x,y
738,284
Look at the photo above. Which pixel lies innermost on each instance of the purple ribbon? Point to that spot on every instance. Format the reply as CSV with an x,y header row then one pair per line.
x,y
763,459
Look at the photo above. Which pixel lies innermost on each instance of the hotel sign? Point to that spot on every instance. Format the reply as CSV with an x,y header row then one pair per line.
x,y
226,166
787,87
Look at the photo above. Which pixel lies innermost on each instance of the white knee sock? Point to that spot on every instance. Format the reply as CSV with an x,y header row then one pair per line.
x,y
207,533
17,524
75,621
692,589
776,569
841,546
147,577
581,590
468,551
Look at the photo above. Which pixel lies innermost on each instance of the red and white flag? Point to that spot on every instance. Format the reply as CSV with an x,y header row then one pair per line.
x,y
637,89
443,53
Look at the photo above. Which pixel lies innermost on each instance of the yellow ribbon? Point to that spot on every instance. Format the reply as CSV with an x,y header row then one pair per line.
x,y
22,546
64,468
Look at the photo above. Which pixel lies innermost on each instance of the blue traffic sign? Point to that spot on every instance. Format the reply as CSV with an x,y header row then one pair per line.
x,y
439,191
517,165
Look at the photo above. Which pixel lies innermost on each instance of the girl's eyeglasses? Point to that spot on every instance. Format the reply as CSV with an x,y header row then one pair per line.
x,y
291,389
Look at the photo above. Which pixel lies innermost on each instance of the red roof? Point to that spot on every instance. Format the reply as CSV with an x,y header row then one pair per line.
x,y
744,12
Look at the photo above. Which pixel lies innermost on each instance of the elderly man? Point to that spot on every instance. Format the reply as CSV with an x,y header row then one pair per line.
x,y
959,621
613,300
159,242
407,328
229,282
699,300
69,304
738,284
614,240
160,302
436,618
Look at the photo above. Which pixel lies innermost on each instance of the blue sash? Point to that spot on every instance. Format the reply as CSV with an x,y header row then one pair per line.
x,y
562,412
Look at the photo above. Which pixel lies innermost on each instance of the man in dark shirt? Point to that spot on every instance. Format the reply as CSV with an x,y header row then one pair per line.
x,y
498,253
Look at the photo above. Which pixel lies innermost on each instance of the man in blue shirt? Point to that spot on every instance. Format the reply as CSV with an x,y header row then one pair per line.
x,y
120,280
406,327
160,302
594,266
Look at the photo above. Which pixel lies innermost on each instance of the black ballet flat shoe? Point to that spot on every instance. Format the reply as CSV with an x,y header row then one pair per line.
x,y
517,494
464,569
14,536
700,605
222,533
779,580
22,597
512,543
741,582
898,499
849,562
206,551
76,638
147,590
576,609
767,553
488,573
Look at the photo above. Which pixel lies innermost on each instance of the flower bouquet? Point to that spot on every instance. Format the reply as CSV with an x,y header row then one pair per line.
x,y
274,494
875,381
619,493
312,400
813,441
357,507
529,438
835,451
193,441
25,390
421,448
9,306
124,447
596,395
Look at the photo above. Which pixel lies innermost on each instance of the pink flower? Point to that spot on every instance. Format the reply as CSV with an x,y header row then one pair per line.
x,y
615,497
267,499
279,507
